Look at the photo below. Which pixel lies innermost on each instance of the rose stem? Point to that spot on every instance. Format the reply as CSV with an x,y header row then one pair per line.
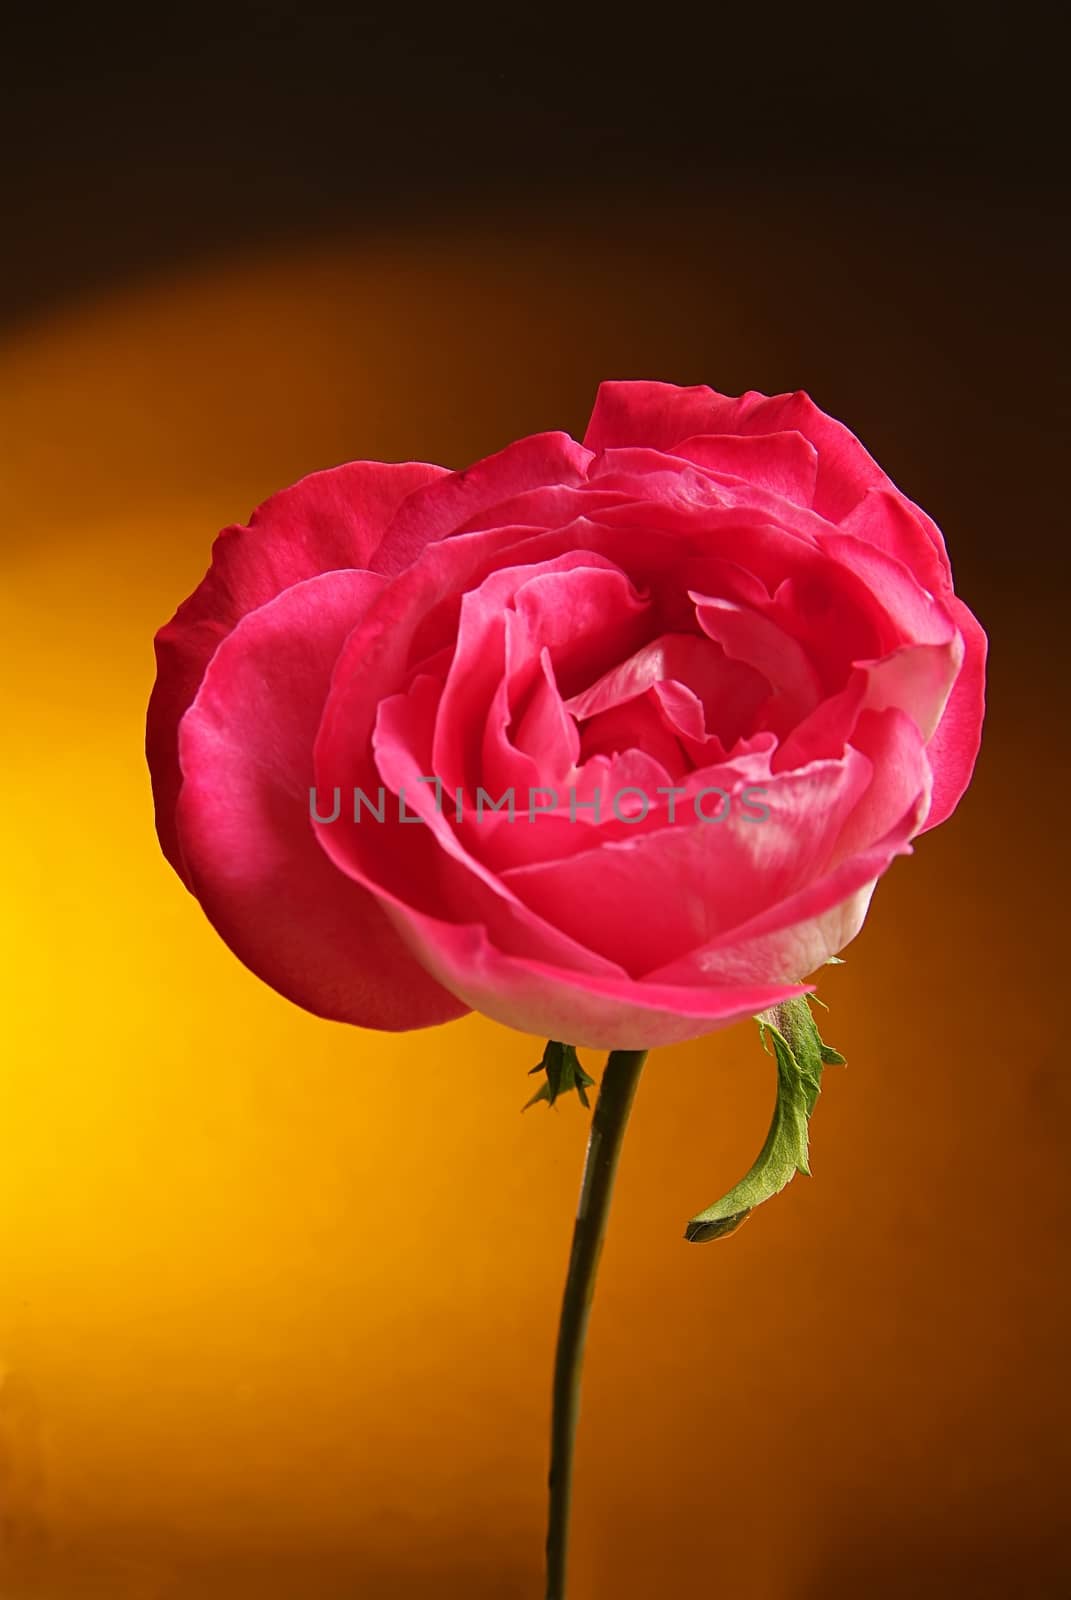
x,y
608,1124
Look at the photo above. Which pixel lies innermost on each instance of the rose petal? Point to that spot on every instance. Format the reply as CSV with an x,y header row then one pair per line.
x,y
244,819
661,416
916,616
798,934
953,750
784,463
759,643
899,786
638,727
888,520
683,658
544,729
591,1011
541,461
641,902
327,521
656,477
428,864
579,605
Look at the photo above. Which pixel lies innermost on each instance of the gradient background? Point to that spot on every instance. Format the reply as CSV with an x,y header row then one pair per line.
x,y
277,1297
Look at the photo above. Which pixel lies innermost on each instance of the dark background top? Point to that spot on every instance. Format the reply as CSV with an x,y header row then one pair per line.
x,y
140,139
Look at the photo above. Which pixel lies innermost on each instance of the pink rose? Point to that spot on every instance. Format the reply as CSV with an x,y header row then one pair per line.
x,y
712,656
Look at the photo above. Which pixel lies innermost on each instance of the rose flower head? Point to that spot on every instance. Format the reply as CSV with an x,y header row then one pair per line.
x,y
610,741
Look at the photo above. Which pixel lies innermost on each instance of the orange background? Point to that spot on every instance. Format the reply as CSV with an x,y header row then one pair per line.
x,y
278,1297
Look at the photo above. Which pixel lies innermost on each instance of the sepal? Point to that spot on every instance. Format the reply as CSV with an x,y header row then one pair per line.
x,y
564,1073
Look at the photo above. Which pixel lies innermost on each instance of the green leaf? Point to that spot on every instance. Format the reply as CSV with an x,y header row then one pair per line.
x,y
800,1054
564,1073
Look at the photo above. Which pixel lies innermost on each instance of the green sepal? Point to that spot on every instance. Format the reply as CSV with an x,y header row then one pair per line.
x,y
564,1073
800,1054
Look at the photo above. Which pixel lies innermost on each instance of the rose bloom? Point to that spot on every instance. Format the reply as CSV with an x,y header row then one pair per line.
x,y
708,593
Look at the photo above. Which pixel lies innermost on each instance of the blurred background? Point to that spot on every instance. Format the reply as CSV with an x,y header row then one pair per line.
x,y
278,1298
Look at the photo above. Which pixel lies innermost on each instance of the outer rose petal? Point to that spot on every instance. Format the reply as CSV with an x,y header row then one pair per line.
x,y
953,749
243,819
886,518
796,936
661,415
599,1013
640,476
326,521
785,463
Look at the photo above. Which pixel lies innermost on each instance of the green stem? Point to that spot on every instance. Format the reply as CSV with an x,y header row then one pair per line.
x,y
608,1125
